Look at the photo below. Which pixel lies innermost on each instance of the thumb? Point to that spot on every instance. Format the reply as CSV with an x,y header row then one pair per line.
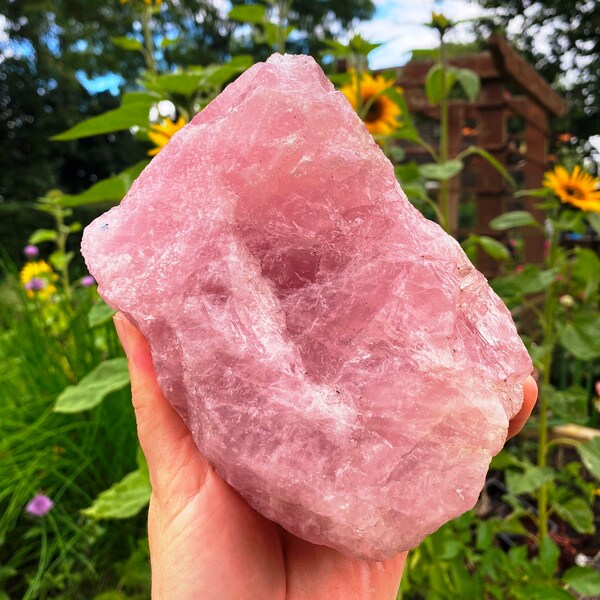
x,y
177,469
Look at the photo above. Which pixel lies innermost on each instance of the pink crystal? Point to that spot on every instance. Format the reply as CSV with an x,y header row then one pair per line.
x,y
336,356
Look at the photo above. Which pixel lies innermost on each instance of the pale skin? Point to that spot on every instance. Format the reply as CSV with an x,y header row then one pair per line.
x,y
207,543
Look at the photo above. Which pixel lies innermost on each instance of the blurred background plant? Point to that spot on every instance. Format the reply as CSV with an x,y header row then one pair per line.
x,y
73,483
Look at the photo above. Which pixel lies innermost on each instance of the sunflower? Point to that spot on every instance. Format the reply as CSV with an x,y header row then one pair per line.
x,y
37,279
161,133
577,188
382,112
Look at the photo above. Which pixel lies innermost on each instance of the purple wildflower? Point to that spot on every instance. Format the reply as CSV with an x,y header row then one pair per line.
x,y
39,505
87,281
35,284
31,251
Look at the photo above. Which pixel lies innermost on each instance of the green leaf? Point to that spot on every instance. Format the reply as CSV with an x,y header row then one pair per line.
x,y
75,227
581,336
510,220
517,555
434,87
441,171
425,54
184,83
253,13
271,34
396,154
569,404
336,49
123,500
140,459
502,461
146,97
485,535
469,82
127,43
584,580
507,287
438,83
111,189
218,75
358,45
166,42
535,193
415,191
43,235
585,270
570,220
539,591
100,313
109,376
406,133
60,260
531,479
124,117
590,455
135,572
548,556
407,173
594,220
577,513
493,247
530,280
492,161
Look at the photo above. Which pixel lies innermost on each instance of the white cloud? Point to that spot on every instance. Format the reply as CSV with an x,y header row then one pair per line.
x,y
399,25
3,29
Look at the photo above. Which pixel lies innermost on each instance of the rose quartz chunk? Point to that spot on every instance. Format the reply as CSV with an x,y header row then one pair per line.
x,y
335,355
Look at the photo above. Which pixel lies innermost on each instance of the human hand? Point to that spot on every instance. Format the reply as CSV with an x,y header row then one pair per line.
x,y
205,540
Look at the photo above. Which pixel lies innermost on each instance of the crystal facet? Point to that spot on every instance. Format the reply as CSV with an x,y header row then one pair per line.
x,y
335,355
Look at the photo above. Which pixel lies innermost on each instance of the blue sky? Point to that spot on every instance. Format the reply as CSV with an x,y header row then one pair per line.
x,y
396,23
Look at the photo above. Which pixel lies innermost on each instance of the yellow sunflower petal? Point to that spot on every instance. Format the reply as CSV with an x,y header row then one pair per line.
x,y
159,138
161,133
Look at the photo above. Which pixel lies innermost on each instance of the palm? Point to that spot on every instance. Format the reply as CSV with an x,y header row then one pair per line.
x,y
212,544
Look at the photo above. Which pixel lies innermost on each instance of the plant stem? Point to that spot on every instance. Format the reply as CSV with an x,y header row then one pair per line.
x,y
148,40
548,342
284,7
61,245
444,125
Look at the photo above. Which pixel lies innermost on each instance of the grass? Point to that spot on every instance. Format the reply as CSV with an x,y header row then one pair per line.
x,y
71,458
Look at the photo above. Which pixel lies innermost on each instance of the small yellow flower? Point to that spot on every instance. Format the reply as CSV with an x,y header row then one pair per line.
x,y
37,279
382,112
577,188
161,133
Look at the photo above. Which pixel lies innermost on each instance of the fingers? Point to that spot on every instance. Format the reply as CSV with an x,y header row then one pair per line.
x,y
173,459
530,393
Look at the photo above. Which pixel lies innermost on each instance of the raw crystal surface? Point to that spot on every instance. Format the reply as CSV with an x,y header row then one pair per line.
x,y
336,356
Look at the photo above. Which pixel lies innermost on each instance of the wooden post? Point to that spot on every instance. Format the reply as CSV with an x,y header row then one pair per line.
x,y
491,189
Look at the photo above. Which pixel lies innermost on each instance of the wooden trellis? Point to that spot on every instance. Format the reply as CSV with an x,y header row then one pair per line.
x,y
510,119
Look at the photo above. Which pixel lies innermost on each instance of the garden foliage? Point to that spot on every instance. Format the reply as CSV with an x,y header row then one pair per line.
x,y
74,485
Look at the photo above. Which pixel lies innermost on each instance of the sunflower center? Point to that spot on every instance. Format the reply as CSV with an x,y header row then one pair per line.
x,y
375,111
573,191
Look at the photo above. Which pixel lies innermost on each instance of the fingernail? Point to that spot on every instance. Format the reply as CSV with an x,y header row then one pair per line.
x,y
119,322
